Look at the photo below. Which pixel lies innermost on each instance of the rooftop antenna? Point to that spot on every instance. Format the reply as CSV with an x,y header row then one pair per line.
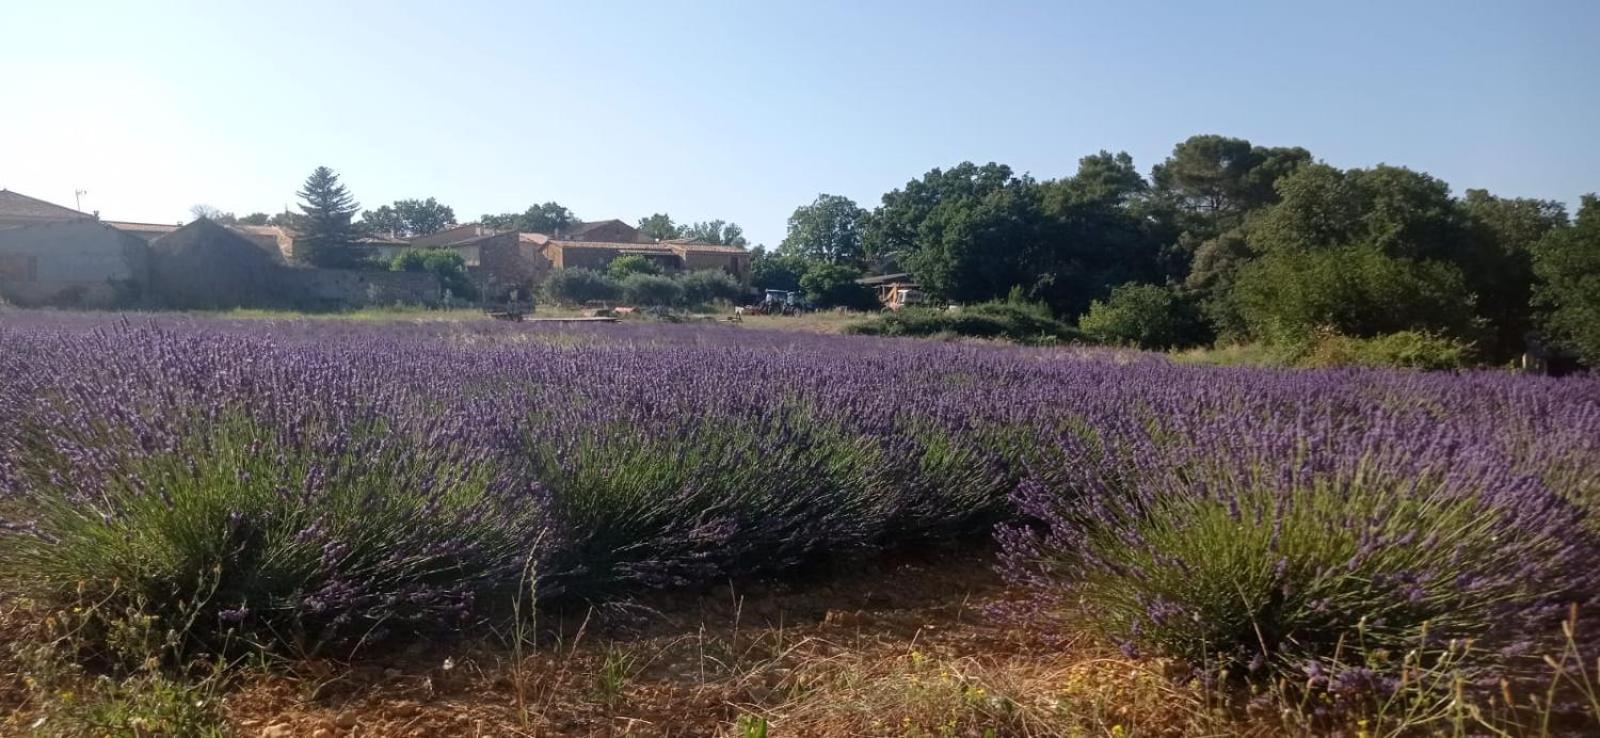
x,y
77,198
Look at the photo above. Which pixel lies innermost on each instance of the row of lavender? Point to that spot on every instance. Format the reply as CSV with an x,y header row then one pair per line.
x,y
341,480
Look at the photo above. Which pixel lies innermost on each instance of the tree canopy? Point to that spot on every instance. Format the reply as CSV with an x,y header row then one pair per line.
x,y
211,213
714,231
1567,261
549,218
406,218
658,227
1226,239
829,229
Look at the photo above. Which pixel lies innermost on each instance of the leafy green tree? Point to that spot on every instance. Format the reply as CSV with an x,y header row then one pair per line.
x,y
1497,261
659,227
255,219
715,231
578,286
549,218
326,235
501,222
1104,178
834,285
1210,283
409,218
1100,233
651,290
384,221
1141,315
1403,213
972,249
971,233
628,265
445,265
896,228
1567,262
705,286
829,229
1219,179
1411,218
967,233
1288,297
1208,186
771,271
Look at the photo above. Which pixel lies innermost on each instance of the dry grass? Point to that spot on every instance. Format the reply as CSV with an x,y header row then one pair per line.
x,y
822,321
900,648
904,648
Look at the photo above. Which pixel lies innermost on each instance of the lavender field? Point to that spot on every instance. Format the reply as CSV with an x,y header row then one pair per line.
x,y
340,483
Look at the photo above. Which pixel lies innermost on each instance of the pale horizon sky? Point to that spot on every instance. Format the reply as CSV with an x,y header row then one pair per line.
x,y
744,110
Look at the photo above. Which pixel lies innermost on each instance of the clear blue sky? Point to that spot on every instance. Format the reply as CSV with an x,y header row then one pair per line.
x,y
743,110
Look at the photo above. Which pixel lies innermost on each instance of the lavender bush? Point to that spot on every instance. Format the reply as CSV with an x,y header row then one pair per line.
x,y
1271,522
162,473
325,478
317,480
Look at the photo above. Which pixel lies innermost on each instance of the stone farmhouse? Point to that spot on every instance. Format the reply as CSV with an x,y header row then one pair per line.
x,y
56,256
53,255
500,258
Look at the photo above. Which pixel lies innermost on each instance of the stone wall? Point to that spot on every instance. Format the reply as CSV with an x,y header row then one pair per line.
x,y
207,266
346,288
80,263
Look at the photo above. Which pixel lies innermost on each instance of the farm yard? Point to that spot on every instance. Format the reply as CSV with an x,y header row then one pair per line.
x,y
317,527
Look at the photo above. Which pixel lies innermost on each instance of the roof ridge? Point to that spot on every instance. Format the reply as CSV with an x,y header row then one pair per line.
x,y
29,199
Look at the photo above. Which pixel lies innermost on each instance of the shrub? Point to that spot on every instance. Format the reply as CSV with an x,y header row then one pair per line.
x,y
705,286
834,285
1235,544
1355,291
317,533
324,478
1141,316
1020,322
578,286
1404,350
643,510
628,265
445,265
771,271
652,290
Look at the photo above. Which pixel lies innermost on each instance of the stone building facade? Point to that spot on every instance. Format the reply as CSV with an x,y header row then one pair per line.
x,y
71,263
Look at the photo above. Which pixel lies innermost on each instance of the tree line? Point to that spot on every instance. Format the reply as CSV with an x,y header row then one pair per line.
x,y
1224,241
328,221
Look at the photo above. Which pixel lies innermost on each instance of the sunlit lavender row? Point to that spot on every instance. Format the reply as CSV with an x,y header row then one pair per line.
x,y
332,481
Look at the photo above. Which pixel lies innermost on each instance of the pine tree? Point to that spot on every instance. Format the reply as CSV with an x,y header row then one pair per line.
x,y
326,235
